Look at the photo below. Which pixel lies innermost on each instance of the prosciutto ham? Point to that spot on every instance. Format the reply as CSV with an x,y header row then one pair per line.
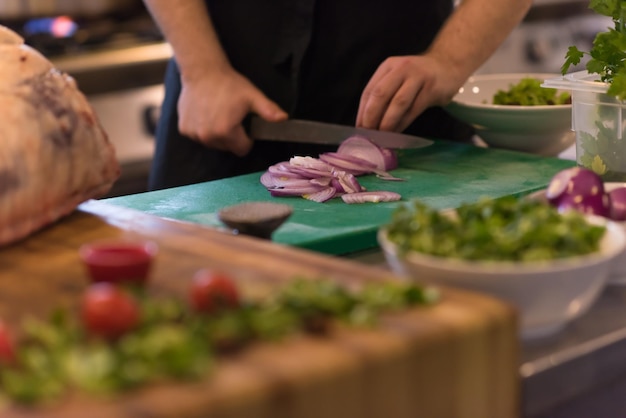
x,y
54,154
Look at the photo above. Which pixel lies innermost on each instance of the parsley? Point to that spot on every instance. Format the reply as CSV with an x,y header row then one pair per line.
x,y
608,52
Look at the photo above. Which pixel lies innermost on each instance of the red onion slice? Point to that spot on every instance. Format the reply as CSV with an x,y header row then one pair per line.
x,y
371,197
322,195
363,149
348,163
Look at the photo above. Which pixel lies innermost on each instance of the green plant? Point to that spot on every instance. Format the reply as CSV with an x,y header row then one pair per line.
x,y
608,52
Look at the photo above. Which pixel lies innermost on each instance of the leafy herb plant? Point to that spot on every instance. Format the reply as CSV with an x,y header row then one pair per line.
x,y
602,147
608,53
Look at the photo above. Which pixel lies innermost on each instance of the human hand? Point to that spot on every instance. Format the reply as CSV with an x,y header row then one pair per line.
x,y
212,107
402,88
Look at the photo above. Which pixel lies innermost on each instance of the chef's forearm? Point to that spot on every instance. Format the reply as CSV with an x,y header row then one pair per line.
x,y
188,28
474,32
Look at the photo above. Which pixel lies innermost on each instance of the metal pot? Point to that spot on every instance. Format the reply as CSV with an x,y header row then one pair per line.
x,y
25,9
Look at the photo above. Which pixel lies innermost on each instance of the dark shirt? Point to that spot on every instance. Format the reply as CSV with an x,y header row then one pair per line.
x,y
314,58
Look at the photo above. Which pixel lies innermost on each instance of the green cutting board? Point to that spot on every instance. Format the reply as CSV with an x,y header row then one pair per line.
x,y
443,175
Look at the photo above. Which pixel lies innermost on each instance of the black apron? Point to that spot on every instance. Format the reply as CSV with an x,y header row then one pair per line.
x,y
314,58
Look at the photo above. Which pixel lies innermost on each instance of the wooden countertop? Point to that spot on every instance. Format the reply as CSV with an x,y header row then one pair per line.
x,y
458,358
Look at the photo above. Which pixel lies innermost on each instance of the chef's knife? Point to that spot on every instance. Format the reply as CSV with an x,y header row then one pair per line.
x,y
295,130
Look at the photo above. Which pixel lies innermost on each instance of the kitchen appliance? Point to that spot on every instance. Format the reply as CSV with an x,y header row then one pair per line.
x,y
307,131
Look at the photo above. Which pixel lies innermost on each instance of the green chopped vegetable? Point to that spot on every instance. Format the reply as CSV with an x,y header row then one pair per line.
x,y
173,341
528,92
506,229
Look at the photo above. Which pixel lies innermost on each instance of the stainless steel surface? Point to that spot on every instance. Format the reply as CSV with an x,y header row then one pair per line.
x,y
20,9
295,130
573,367
117,69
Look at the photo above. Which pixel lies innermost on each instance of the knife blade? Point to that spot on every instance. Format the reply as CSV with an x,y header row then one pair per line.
x,y
298,130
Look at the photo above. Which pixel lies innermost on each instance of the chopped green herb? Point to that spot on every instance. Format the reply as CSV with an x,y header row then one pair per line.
x,y
506,229
528,92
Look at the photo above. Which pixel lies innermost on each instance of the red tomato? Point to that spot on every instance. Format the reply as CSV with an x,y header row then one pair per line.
x,y
108,311
7,345
213,291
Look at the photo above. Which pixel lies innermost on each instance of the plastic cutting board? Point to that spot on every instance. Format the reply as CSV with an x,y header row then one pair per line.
x,y
443,175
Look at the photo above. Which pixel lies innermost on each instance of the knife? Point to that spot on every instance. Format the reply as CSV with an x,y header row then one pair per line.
x,y
297,130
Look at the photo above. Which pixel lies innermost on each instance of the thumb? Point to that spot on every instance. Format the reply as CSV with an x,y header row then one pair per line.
x,y
267,109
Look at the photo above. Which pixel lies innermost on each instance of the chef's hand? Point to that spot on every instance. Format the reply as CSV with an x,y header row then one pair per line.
x,y
402,88
212,107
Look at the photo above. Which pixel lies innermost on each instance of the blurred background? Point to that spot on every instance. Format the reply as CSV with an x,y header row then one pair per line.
x,y
118,56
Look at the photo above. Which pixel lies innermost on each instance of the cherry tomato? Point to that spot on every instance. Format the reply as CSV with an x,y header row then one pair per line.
x,y
108,310
7,345
213,291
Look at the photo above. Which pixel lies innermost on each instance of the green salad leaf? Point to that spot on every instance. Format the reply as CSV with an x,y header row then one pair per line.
x,y
528,92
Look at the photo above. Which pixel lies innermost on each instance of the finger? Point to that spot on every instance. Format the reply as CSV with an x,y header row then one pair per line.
x,y
239,142
399,105
378,99
267,109
380,73
420,104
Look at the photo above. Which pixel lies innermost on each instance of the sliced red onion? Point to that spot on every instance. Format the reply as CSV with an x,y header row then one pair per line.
x,y
334,173
363,149
267,180
383,175
283,170
371,197
310,162
348,182
297,190
348,163
391,158
574,182
321,196
617,198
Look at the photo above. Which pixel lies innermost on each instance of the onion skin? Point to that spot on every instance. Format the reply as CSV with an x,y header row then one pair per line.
x,y
573,184
617,199
591,204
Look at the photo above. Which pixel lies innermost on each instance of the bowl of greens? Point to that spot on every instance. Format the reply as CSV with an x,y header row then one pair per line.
x,y
513,111
552,267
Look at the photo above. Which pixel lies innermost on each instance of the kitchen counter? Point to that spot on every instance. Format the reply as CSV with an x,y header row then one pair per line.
x,y
457,358
588,355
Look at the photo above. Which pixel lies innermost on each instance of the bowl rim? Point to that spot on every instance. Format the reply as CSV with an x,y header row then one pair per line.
x,y
511,77
517,268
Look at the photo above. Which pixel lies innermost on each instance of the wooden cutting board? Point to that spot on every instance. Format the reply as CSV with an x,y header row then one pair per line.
x,y
458,358
443,175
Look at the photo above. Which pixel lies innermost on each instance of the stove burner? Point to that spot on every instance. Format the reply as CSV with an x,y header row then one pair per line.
x,y
110,32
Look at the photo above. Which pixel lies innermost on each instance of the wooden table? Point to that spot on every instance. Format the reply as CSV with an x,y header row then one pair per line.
x,y
459,358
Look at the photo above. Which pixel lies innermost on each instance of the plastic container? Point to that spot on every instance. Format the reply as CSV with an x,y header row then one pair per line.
x,y
598,122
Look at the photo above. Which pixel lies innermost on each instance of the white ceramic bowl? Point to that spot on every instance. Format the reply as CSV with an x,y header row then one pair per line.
x,y
617,275
543,130
547,294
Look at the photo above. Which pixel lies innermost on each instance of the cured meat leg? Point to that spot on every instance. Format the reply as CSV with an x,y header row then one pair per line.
x,y
54,154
